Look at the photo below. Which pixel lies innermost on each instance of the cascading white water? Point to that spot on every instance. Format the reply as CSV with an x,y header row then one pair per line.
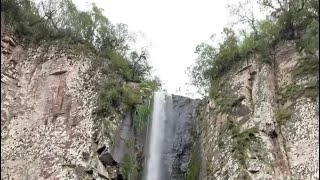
x,y
157,135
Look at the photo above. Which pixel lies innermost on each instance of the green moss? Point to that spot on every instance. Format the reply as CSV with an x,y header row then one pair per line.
x,y
213,92
308,65
228,101
294,91
241,141
224,96
129,165
282,116
195,162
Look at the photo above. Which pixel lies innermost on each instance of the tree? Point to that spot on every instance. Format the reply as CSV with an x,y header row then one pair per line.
x,y
199,71
293,16
119,37
244,12
139,64
157,82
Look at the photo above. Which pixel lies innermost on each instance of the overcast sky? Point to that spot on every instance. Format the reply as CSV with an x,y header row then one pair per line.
x,y
173,27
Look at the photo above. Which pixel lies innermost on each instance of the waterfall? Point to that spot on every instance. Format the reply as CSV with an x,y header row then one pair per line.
x,y
159,135
168,146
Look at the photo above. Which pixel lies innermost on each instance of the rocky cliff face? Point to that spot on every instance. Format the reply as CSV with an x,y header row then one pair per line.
x,y
264,123
179,150
47,127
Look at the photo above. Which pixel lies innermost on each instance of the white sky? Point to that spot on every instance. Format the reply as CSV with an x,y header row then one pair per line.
x,y
174,27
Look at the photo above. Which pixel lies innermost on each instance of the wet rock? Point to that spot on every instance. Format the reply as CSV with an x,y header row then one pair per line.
x,y
89,171
122,137
106,159
119,177
101,149
178,151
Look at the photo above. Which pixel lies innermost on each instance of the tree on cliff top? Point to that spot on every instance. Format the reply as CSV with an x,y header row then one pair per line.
x,y
54,19
296,20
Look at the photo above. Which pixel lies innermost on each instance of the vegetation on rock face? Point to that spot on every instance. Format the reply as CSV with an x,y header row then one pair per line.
x,y
293,91
51,19
241,140
194,165
141,116
113,95
296,20
129,165
282,116
127,83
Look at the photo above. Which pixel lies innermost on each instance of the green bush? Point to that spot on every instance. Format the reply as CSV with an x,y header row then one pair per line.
x,y
241,141
129,164
194,165
114,95
296,23
140,117
119,64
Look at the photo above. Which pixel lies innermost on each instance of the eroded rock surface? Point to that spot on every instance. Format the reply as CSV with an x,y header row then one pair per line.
x,y
47,100
269,130
179,141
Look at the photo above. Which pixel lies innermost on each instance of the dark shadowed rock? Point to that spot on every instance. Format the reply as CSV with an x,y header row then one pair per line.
x,y
101,149
122,137
178,150
240,110
89,171
106,159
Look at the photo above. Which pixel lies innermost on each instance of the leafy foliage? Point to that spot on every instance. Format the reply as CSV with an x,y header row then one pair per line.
x,y
129,165
152,84
140,117
51,19
139,64
114,95
241,140
296,20
199,71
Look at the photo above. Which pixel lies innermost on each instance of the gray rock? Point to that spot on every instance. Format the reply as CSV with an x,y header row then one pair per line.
x,y
106,159
179,142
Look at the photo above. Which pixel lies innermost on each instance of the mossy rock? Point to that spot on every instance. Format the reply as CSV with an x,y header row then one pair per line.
x,y
283,115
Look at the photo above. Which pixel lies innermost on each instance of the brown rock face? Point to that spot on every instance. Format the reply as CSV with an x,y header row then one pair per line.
x,y
47,96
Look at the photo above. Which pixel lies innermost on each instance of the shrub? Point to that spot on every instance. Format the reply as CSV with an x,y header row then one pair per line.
x,y
140,117
114,95
129,164
241,141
